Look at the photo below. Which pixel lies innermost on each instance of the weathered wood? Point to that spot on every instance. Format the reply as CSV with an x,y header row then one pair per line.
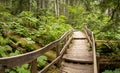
x,y
2,69
34,66
107,41
58,54
68,67
79,35
100,42
94,54
78,52
29,57
44,70
108,63
63,51
88,38
65,46
91,40
78,55
98,62
58,50
18,60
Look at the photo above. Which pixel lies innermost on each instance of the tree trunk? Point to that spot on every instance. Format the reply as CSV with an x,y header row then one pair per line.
x,y
64,9
56,8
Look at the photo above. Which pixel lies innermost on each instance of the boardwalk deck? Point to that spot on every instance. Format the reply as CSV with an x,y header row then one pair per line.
x,y
78,59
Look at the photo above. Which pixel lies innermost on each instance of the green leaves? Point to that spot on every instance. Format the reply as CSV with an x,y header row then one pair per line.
x,y
110,71
3,41
4,49
29,40
22,69
42,61
26,14
15,53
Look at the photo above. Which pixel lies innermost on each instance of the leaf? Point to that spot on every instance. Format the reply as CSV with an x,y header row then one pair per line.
x,y
42,60
15,53
29,40
8,48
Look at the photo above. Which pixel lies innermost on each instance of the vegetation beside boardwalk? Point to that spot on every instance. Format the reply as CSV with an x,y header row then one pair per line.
x,y
27,25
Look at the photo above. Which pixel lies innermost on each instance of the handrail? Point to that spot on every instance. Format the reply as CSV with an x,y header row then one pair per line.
x,y
30,57
90,37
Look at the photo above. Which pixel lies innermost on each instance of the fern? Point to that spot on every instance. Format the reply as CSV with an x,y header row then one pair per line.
x,y
110,71
42,61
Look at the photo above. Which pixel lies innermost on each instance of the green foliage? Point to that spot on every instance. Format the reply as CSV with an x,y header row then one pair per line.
x,y
46,28
99,22
110,71
28,20
22,31
80,17
3,41
25,30
26,14
15,53
110,49
4,49
5,16
2,7
29,40
77,15
42,61
52,28
22,69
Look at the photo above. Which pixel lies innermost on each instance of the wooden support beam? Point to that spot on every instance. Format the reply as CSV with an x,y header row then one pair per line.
x,y
58,54
34,66
2,70
31,57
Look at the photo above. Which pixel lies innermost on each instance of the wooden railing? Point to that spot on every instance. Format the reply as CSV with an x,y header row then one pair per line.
x,y
31,57
91,39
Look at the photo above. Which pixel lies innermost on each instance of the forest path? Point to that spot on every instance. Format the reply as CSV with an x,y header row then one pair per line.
x,y
78,58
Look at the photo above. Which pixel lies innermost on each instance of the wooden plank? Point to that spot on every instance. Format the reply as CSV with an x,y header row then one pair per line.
x,y
79,35
65,46
58,54
91,40
88,37
78,59
76,68
78,54
18,60
44,70
34,66
2,69
94,55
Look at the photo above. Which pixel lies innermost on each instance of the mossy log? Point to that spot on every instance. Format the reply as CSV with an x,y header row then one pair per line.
x,y
100,42
51,55
23,43
106,62
19,41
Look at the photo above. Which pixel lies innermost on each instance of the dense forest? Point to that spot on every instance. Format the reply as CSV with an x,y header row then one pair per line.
x,y
26,25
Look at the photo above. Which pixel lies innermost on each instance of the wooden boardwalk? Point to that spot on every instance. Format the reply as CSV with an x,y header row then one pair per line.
x,y
78,59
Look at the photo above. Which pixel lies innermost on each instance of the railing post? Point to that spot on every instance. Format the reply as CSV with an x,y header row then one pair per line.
x,y
58,54
34,66
98,62
2,70
66,39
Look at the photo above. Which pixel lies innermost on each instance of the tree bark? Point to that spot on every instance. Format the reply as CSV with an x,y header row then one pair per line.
x,y
56,8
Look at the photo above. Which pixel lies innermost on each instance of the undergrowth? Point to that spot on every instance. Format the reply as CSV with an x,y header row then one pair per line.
x,y
25,32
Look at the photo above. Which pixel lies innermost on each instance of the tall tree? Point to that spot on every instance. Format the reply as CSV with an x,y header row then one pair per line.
x,y
57,8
